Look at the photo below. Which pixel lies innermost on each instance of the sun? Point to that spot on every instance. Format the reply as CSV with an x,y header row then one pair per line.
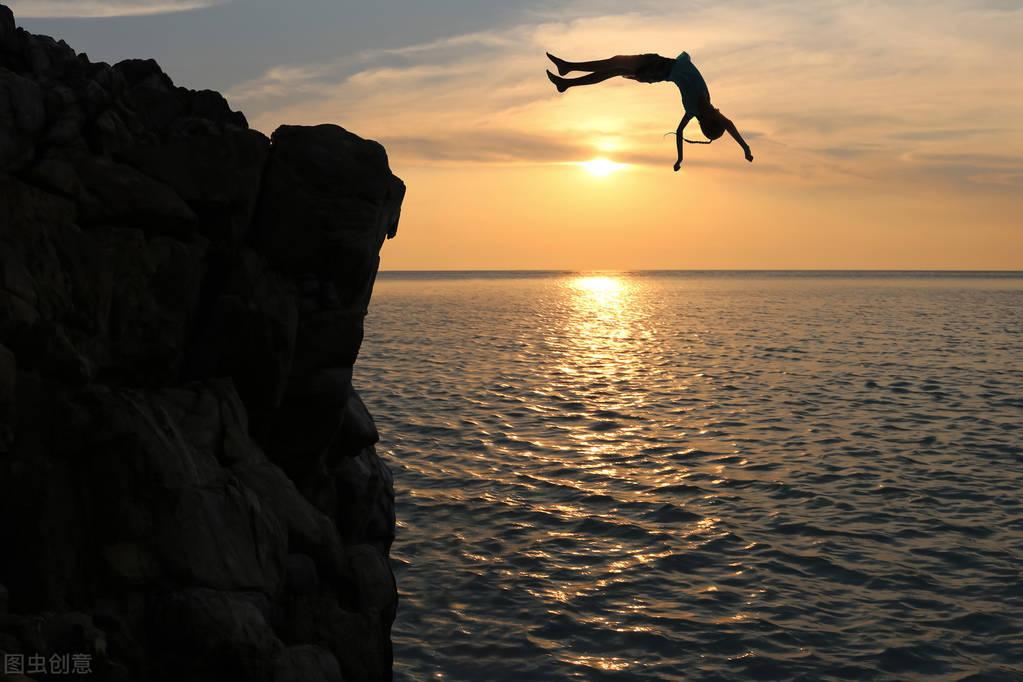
x,y
601,167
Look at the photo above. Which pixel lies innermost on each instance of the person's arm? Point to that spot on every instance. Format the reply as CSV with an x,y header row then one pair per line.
x,y
679,142
733,131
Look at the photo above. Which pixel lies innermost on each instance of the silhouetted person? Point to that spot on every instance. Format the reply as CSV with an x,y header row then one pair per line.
x,y
653,68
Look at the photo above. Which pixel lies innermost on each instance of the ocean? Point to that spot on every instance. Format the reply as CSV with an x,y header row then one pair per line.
x,y
703,475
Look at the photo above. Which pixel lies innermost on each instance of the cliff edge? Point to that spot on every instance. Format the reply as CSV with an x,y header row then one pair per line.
x,y
188,482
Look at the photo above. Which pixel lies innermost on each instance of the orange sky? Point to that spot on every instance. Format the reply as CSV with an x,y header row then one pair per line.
x,y
886,135
883,137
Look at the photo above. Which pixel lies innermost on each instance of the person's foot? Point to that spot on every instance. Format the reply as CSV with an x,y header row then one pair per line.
x,y
560,63
559,82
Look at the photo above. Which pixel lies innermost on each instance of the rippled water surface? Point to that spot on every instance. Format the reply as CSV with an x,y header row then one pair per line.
x,y
703,476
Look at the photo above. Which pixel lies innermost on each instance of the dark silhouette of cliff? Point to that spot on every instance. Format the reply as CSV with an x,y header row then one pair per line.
x,y
188,483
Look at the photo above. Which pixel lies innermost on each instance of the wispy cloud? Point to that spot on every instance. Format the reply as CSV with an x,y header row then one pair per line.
x,y
71,9
837,93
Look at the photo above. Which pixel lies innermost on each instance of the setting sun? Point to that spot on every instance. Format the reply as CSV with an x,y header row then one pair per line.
x,y
601,166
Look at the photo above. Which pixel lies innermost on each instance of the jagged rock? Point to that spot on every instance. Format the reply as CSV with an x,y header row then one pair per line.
x,y
152,302
163,106
221,536
110,132
6,27
374,579
36,227
249,334
187,479
302,577
218,175
110,79
226,634
368,656
8,387
44,345
358,431
71,631
24,100
213,419
365,490
117,194
296,619
307,663
49,58
327,338
22,116
308,529
57,175
329,201
309,418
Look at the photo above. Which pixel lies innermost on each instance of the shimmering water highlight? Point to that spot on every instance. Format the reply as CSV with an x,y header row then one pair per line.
x,y
696,476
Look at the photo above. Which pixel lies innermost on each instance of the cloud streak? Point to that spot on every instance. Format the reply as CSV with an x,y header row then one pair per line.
x,y
93,9
843,93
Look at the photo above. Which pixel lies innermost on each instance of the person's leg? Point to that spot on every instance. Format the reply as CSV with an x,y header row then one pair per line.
x,y
625,61
589,79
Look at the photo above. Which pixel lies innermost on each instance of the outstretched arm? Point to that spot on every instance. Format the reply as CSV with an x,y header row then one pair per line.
x,y
679,142
733,131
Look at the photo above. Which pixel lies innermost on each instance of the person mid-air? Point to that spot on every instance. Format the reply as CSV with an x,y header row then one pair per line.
x,y
653,68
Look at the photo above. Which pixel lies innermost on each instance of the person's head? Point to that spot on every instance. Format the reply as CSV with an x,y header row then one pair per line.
x,y
712,124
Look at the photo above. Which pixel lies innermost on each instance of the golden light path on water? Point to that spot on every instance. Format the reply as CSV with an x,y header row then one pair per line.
x,y
609,355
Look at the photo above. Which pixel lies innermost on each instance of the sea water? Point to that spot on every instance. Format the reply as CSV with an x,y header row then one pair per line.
x,y
703,476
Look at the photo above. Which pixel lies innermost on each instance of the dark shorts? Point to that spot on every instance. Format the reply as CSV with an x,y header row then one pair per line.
x,y
653,69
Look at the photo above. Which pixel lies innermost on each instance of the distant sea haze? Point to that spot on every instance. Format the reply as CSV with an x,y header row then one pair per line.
x,y
703,475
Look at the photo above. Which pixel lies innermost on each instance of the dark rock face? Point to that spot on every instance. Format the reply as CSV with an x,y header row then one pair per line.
x,y
188,482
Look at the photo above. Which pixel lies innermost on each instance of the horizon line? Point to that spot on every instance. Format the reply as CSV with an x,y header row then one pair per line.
x,y
576,270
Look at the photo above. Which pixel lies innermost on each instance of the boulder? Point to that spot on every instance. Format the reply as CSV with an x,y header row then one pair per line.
x,y
57,175
248,333
8,387
116,194
327,338
306,663
309,419
213,419
221,536
358,431
374,581
150,306
218,175
329,201
7,27
209,635
22,117
365,493
309,531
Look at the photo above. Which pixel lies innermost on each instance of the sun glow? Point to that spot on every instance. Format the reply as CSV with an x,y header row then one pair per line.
x,y
600,295
601,167
597,285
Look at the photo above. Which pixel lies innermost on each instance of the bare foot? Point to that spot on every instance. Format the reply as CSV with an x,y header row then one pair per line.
x,y
558,82
560,63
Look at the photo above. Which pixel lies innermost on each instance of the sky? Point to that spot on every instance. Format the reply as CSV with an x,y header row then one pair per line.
x,y
886,135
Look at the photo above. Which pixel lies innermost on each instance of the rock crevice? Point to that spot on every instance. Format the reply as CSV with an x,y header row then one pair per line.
x,y
189,487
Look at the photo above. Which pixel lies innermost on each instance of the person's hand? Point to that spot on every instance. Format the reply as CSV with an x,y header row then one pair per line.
x,y
749,155
678,164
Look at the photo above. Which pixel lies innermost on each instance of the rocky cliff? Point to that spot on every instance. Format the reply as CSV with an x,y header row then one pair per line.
x,y
188,483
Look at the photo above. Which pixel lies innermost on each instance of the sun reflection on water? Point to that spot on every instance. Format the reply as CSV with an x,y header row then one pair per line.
x,y
603,288
604,347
